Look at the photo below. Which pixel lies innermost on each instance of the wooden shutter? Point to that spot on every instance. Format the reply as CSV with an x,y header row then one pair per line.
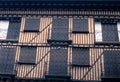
x,y
27,55
80,56
7,60
80,26
109,32
112,63
32,25
58,62
60,29
14,30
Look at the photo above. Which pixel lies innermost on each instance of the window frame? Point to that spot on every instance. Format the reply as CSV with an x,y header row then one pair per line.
x,y
53,62
106,20
110,58
80,31
21,61
74,64
27,29
62,42
12,73
11,20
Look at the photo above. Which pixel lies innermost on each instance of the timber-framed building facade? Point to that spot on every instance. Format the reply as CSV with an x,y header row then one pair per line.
x,y
59,40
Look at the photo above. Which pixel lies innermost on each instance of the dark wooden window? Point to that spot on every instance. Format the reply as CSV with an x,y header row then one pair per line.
x,y
109,32
12,31
60,30
58,62
60,34
27,55
80,56
32,25
112,63
7,60
80,26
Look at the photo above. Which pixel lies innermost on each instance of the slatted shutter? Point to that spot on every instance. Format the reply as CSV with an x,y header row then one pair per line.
x,y
60,29
112,63
32,25
109,32
27,55
59,32
58,62
80,56
14,29
80,26
7,60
